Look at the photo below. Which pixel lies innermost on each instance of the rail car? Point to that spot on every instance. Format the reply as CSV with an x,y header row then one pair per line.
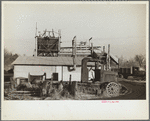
x,y
132,71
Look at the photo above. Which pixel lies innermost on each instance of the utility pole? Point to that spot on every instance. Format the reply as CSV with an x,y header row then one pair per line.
x,y
36,41
108,63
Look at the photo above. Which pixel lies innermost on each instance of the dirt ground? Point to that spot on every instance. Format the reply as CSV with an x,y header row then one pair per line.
x,y
136,90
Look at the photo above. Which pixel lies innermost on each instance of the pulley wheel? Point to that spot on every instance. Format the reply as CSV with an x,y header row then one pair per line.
x,y
112,89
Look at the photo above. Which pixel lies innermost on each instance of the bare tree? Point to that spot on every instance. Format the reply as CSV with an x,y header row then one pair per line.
x,y
8,58
132,62
121,61
127,63
140,59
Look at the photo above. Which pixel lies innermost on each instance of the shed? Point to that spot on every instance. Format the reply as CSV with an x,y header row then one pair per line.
x,y
24,65
40,65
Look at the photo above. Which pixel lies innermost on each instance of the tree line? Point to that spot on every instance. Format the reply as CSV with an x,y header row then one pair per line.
x,y
137,61
8,58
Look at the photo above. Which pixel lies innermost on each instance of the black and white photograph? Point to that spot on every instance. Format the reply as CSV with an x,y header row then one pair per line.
x,y
75,52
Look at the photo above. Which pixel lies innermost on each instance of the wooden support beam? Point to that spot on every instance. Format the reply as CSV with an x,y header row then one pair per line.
x,y
70,83
95,47
77,52
59,35
53,33
108,56
104,49
74,52
62,73
92,49
74,88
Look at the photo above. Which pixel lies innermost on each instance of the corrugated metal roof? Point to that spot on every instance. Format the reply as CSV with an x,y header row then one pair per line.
x,y
29,60
114,58
51,61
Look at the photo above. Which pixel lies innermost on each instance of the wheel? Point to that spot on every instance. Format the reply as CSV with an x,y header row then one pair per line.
x,y
112,89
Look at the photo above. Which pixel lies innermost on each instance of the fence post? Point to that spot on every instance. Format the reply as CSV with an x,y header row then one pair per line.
x,y
74,88
69,88
12,82
29,77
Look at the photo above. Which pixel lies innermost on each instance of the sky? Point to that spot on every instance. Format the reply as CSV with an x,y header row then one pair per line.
x,y
123,26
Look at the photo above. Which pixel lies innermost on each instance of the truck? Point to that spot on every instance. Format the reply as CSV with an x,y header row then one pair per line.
x,y
104,80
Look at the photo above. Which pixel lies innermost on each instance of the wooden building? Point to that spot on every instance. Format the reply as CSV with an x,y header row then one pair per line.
x,y
49,65
61,66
